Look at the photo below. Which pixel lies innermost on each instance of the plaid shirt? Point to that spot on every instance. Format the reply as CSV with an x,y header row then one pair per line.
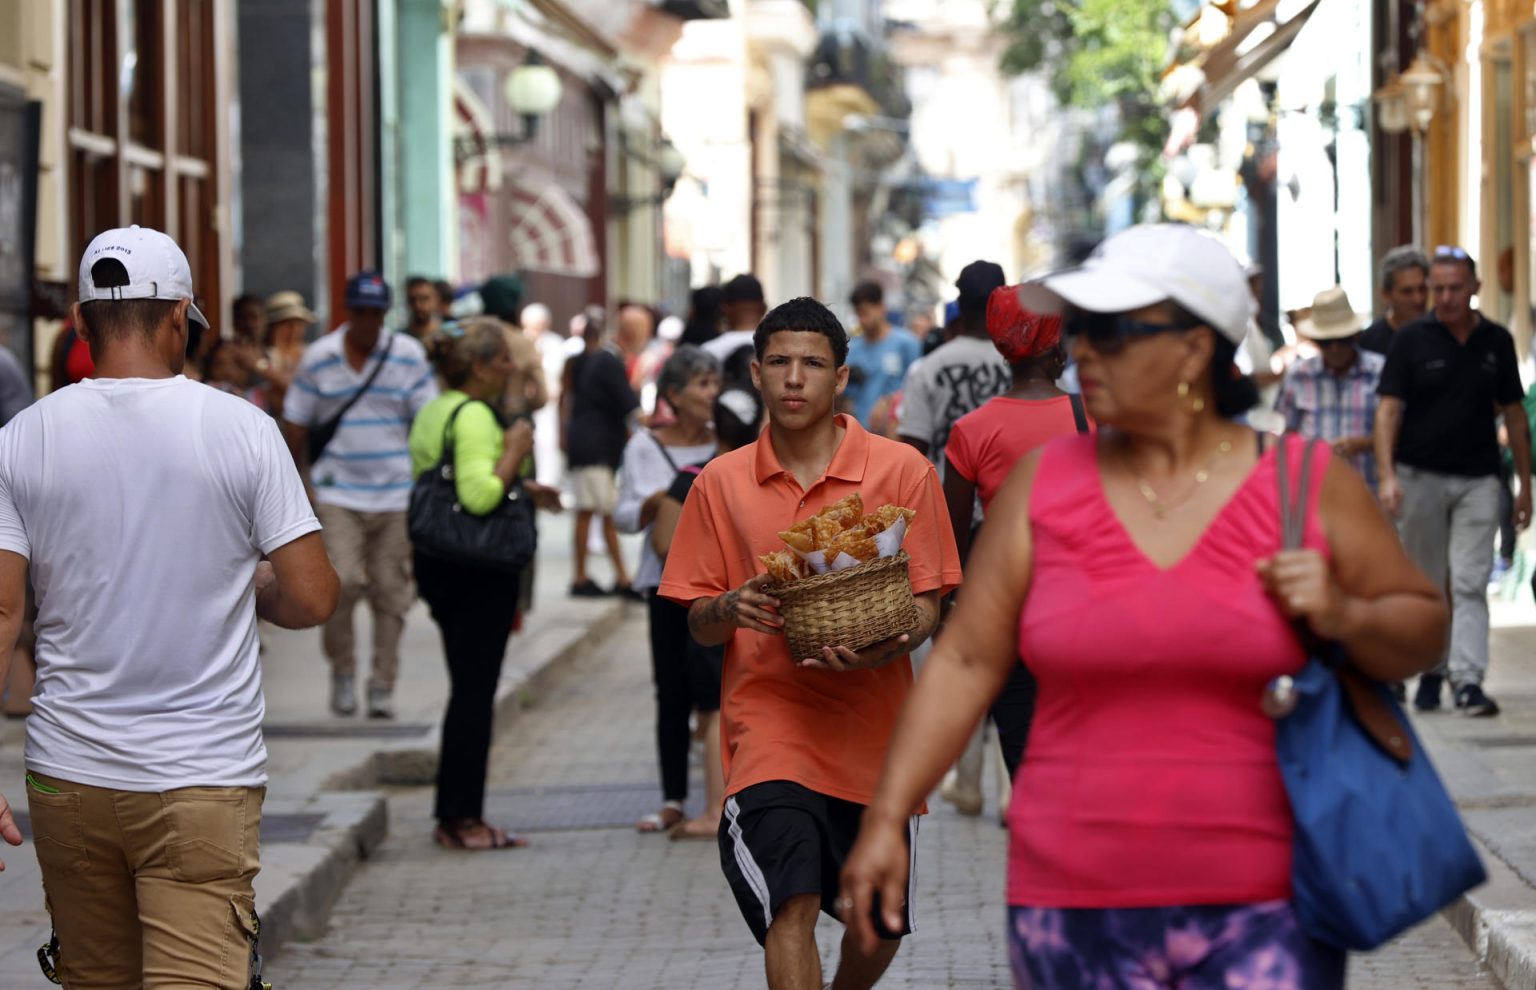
x,y
1317,403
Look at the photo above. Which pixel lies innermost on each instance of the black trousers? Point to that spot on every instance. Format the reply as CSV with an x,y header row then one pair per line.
x,y
1012,712
687,676
473,609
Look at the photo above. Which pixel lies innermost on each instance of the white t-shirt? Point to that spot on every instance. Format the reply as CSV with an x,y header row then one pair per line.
x,y
644,472
728,343
945,385
143,506
367,465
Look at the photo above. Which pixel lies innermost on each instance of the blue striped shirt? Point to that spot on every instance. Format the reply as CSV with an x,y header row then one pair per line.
x,y
366,466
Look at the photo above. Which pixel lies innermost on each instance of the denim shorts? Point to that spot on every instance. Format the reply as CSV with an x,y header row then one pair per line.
x,y
1236,947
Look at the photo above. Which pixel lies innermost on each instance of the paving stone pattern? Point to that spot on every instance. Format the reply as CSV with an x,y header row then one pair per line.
x,y
592,904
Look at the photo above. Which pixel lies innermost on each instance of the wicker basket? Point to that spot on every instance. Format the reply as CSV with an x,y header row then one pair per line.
x,y
855,607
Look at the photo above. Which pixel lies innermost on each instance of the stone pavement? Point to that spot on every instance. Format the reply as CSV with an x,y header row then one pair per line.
x,y
593,904
321,819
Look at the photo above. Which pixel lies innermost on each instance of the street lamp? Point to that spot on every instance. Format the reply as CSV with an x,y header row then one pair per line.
x,y
533,90
669,164
1421,85
1391,107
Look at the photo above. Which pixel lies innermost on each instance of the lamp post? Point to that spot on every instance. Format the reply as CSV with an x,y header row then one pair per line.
x,y
1421,84
533,89
670,164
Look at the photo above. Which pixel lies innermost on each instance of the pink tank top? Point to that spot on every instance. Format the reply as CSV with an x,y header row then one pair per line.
x,y
1150,776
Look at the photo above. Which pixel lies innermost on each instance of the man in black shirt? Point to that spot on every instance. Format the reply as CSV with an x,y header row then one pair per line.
x,y
1405,290
1447,378
596,407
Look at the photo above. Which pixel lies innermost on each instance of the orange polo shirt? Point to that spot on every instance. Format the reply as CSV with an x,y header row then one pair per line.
x,y
824,730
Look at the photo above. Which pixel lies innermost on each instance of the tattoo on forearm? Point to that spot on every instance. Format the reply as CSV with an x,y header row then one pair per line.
x,y
716,610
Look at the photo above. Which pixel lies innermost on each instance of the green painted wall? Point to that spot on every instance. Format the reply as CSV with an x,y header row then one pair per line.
x,y
426,205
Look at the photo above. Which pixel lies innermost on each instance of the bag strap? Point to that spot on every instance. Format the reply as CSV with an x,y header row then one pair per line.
x,y
663,448
1366,698
1079,414
447,457
1293,513
389,343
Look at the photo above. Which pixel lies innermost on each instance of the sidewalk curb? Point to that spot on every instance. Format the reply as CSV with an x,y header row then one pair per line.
x,y
308,878
412,762
1498,922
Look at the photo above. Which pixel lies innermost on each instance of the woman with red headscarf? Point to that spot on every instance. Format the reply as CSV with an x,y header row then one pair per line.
x,y
985,445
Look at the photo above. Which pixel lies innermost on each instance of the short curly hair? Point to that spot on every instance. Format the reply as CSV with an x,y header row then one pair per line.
x,y
803,315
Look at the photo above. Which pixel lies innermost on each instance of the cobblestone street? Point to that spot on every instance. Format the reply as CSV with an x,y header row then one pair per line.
x,y
593,904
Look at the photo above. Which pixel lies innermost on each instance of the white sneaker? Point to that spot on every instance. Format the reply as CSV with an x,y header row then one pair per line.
x,y
381,702
343,694
965,796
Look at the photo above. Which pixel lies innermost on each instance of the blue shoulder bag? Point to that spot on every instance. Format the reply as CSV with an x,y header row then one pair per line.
x,y
1378,844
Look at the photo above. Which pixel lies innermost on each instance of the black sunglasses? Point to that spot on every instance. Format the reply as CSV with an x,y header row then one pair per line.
x,y
1109,333
1349,341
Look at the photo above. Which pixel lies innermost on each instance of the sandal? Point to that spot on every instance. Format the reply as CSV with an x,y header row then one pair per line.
x,y
474,835
669,817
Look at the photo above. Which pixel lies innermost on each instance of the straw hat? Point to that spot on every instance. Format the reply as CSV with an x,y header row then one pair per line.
x,y
1332,317
288,306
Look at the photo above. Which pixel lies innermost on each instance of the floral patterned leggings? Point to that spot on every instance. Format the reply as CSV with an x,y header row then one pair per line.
x,y
1244,947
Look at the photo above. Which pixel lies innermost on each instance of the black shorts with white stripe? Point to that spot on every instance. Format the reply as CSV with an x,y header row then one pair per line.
x,y
779,840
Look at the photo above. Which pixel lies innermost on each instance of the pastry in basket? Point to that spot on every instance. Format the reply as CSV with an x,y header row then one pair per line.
x,y
784,567
841,535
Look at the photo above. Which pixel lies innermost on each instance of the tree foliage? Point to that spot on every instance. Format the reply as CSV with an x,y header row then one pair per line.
x,y
1096,53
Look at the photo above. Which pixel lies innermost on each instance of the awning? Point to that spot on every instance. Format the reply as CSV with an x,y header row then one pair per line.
x,y
550,232
1259,35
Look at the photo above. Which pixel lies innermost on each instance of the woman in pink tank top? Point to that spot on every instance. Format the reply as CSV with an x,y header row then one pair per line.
x,y
1138,573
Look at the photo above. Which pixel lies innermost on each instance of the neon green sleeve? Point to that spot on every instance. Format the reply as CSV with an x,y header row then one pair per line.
x,y
477,446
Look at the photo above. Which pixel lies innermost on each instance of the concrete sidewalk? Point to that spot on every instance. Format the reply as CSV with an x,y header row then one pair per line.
x,y
1489,766
321,815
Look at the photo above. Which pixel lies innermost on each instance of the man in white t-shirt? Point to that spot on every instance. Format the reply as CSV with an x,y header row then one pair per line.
x,y
159,518
959,375
364,385
743,304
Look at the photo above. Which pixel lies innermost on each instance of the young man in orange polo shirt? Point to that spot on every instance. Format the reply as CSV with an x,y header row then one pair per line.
x,y
804,737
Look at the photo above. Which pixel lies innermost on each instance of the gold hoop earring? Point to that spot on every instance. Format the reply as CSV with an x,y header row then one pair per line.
x,y
1198,405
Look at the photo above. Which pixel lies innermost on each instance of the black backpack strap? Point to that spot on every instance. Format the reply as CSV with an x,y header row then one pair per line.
x,y
389,344
1079,413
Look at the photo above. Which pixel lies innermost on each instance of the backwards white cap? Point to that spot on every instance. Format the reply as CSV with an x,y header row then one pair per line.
x,y
157,268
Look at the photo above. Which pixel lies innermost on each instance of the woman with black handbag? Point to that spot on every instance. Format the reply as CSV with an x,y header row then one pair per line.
x,y
460,436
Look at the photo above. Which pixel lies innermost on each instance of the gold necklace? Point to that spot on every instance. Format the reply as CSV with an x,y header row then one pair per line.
x,y
1161,507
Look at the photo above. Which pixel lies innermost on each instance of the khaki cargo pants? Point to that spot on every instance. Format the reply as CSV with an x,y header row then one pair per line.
x,y
148,890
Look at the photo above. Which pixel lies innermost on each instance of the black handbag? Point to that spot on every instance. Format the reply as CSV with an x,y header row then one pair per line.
x,y
503,539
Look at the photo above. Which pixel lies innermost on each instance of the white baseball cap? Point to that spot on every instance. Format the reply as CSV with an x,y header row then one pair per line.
x,y
1159,262
157,268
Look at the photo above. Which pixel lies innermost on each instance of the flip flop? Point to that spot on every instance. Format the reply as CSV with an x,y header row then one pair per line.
x,y
669,817
453,838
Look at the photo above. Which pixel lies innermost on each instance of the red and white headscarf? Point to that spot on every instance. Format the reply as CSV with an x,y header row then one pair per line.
x,y
1017,333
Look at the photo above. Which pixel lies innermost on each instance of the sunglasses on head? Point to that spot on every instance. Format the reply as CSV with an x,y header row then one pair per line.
x,y
1109,333
1452,251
